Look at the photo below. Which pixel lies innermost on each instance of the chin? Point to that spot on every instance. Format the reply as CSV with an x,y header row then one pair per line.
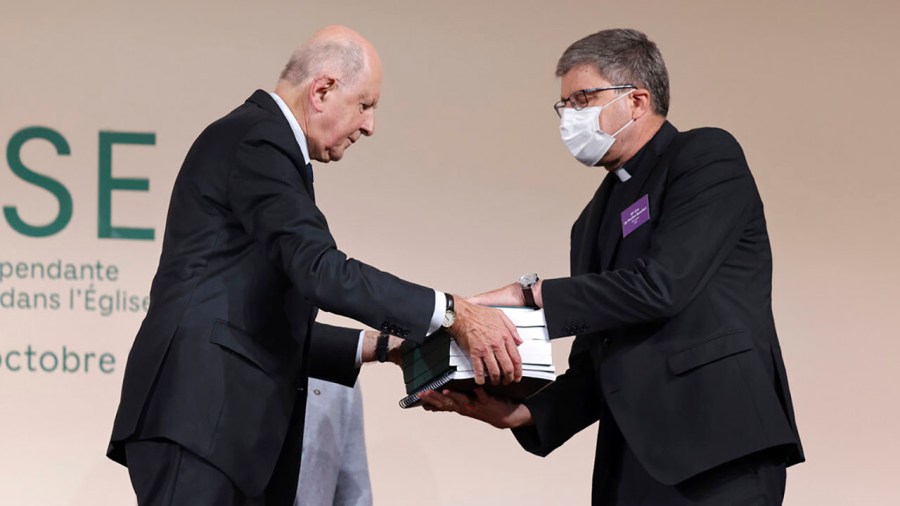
x,y
336,154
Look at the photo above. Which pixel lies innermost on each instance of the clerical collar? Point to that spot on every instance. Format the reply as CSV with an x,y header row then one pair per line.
x,y
656,145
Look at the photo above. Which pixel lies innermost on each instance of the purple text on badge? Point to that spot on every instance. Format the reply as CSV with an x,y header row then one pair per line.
x,y
635,215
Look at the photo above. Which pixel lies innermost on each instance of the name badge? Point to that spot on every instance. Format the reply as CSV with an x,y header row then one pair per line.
x,y
635,215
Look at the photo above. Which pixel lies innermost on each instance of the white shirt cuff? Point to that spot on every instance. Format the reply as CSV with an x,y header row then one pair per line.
x,y
359,345
440,307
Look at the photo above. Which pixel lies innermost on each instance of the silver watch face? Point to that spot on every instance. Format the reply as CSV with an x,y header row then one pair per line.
x,y
528,280
449,319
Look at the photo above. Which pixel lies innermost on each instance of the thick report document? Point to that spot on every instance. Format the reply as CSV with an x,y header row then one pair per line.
x,y
439,363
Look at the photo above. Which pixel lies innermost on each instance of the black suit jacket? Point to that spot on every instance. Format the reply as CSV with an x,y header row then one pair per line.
x,y
221,360
674,322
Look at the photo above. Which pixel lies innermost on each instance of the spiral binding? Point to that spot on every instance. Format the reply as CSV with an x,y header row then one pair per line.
x,y
413,398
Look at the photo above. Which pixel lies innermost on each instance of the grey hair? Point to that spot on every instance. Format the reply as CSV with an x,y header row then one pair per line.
x,y
343,58
622,56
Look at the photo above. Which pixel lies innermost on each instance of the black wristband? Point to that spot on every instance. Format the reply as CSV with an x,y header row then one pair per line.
x,y
381,347
528,295
527,283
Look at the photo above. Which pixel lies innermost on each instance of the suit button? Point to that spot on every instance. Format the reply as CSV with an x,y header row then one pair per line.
x,y
605,342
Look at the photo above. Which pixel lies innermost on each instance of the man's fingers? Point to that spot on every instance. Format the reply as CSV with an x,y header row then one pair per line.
x,y
493,368
427,401
506,362
512,348
481,395
477,369
447,401
516,358
459,399
436,401
506,352
493,347
512,329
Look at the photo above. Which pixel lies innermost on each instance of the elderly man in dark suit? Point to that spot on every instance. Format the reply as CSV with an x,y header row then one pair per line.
x,y
676,352
214,392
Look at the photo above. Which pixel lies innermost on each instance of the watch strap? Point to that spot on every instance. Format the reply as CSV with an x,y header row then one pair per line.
x,y
527,283
529,296
381,347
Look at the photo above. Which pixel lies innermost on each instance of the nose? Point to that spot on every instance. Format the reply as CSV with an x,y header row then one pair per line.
x,y
368,126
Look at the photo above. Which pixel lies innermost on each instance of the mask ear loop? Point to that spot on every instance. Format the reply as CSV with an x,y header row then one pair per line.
x,y
623,128
626,124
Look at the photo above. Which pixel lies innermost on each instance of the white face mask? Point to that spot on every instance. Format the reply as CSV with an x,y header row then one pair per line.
x,y
581,133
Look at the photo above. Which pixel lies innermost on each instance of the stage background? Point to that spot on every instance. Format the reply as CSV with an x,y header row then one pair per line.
x,y
465,186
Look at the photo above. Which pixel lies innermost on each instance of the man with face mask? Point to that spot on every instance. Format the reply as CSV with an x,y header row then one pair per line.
x,y
214,392
676,352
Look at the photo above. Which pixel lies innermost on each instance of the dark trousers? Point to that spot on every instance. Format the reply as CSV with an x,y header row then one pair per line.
x,y
164,473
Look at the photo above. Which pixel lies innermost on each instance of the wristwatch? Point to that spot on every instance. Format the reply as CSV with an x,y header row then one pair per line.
x,y
527,282
381,347
449,313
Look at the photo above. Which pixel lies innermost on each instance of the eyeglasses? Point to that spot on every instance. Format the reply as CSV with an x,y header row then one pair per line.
x,y
579,99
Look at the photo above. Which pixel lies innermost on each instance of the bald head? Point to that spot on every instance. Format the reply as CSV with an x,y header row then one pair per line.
x,y
332,84
335,50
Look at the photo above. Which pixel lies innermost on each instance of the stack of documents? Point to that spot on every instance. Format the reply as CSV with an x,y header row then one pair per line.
x,y
440,364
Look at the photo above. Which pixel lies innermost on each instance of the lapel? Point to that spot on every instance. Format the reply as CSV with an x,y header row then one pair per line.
x,y
287,141
583,257
641,170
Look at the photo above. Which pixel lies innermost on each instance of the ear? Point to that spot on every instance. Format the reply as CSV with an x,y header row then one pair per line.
x,y
319,88
640,102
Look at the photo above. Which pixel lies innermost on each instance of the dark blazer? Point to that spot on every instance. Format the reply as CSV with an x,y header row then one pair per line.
x,y
674,322
221,360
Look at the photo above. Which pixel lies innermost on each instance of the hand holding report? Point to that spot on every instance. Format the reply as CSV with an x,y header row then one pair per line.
x,y
479,405
490,340
440,363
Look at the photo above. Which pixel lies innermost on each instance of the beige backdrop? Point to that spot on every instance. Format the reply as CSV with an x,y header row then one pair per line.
x,y
465,186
